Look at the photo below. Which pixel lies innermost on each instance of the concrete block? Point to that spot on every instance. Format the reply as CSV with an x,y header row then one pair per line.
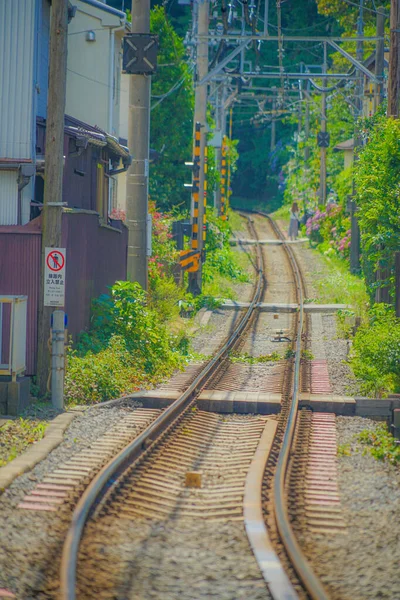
x,y
373,408
339,405
18,395
3,397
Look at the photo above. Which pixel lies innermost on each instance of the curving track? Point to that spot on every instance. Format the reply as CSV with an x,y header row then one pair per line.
x,y
143,479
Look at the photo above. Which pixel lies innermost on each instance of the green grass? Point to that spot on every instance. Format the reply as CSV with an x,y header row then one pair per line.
x,y
16,436
339,286
237,222
283,213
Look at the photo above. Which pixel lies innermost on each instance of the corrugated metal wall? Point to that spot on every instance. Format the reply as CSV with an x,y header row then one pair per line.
x,y
96,258
42,75
8,196
20,249
17,27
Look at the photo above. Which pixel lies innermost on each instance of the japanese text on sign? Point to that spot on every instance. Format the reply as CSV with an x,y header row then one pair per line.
x,y
54,277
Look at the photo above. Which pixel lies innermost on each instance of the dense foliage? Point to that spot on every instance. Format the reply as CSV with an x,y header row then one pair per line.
x,y
377,176
375,355
171,116
128,344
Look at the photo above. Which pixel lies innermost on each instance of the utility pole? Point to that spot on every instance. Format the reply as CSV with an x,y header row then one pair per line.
x,y
394,61
322,175
359,102
137,181
360,58
200,9
397,282
54,166
273,126
307,130
379,55
220,126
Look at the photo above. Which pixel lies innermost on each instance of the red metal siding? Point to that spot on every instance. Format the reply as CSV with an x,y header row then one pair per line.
x,y
96,258
19,274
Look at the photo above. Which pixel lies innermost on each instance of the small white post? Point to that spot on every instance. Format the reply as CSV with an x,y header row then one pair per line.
x,y
57,359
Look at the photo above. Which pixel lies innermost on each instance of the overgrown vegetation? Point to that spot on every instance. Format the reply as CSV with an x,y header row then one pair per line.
x,y
138,338
375,354
245,357
381,444
377,183
128,345
16,436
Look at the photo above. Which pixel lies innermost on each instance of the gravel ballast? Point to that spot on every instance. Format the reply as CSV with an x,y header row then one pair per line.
x,y
364,563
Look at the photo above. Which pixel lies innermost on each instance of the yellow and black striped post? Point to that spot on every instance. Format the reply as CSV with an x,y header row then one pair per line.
x,y
196,185
228,184
223,182
205,194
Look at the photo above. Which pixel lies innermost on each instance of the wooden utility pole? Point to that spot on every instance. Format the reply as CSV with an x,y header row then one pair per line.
x,y
307,129
273,126
201,8
137,181
322,175
379,55
397,282
221,127
394,61
355,239
54,164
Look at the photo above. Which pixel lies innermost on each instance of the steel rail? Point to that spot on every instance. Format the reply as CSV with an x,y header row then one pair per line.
x,y
303,569
116,466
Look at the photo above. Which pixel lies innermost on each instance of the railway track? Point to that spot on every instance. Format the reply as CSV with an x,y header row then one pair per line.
x,y
212,452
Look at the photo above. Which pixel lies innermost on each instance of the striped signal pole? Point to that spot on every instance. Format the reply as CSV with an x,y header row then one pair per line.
x,y
205,200
223,182
201,22
228,185
196,188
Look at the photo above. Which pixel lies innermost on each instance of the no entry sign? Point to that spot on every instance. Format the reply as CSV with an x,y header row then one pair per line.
x,y
54,277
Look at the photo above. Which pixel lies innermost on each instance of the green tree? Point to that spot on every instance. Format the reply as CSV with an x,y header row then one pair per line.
x,y
171,116
377,174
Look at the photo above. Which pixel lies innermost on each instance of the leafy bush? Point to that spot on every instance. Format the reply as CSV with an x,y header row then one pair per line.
x,y
127,346
125,313
100,376
331,227
375,354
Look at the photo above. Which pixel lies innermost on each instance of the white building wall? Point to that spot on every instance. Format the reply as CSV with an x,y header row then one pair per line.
x,y
17,27
8,198
91,86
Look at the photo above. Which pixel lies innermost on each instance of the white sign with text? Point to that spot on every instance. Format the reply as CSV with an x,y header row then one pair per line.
x,y
54,277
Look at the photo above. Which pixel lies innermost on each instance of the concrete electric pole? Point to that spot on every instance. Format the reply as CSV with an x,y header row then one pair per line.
x,y
137,182
379,55
200,8
54,165
394,61
322,176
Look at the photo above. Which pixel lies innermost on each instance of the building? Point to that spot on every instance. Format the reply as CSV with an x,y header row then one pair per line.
x,y
95,154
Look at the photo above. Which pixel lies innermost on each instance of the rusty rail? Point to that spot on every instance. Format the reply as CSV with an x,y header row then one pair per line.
x,y
115,467
303,569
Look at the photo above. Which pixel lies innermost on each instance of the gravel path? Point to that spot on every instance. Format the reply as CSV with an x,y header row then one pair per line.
x,y
324,328
25,534
364,563
202,563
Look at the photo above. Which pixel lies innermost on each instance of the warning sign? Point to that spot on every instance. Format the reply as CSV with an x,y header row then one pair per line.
x,y
54,277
